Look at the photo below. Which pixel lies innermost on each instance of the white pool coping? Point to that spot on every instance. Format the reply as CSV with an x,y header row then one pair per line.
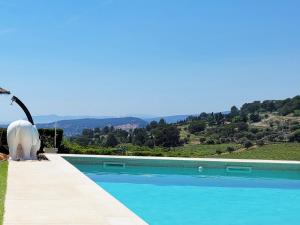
x,y
55,192
185,159
179,162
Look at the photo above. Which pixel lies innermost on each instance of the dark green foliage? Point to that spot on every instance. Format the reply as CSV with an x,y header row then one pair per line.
x,y
238,126
230,149
122,150
89,133
152,125
247,144
254,117
202,139
150,143
260,142
234,111
197,126
3,133
3,141
242,126
162,122
210,142
105,130
295,136
251,107
47,137
140,136
219,152
284,107
147,153
166,136
111,140
121,135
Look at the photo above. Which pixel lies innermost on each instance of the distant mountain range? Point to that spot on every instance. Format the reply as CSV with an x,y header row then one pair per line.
x,y
147,118
75,126
54,118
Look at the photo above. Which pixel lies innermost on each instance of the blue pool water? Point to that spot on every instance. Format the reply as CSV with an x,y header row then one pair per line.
x,y
185,196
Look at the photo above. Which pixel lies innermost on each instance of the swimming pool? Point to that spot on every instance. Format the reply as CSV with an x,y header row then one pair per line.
x,y
202,194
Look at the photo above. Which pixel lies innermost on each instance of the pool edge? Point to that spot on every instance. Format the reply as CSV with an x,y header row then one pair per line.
x,y
56,192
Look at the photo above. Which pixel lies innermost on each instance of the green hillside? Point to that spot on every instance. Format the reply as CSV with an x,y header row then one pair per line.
x,y
268,130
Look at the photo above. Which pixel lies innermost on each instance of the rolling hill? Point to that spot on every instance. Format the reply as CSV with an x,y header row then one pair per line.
x,y
74,127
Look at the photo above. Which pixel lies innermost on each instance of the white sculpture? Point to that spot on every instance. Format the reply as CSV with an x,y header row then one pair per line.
x,y
23,140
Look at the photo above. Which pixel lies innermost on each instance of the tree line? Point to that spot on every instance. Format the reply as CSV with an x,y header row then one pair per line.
x,y
239,125
154,134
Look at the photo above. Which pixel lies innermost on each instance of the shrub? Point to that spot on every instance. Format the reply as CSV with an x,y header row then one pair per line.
x,y
219,152
260,142
295,127
47,137
150,143
296,135
197,126
184,141
254,130
223,140
255,117
121,150
210,142
111,140
230,149
147,153
242,126
202,139
248,144
260,135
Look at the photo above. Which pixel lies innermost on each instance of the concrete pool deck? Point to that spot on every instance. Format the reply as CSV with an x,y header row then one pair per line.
x,y
55,192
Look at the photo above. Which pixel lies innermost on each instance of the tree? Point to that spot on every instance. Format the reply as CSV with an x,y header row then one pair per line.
x,y
152,125
251,107
150,143
139,136
242,126
88,133
166,136
254,117
197,126
295,136
121,135
105,130
111,140
230,149
219,118
248,144
162,122
234,111
97,130
268,106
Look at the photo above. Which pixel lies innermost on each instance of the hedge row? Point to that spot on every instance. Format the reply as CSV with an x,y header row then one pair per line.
x,y
46,136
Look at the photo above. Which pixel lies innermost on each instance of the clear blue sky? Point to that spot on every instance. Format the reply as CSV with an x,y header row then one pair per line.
x,y
117,57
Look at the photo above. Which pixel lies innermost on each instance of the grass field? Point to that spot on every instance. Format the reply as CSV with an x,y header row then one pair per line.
x,y
284,151
197,150
3,176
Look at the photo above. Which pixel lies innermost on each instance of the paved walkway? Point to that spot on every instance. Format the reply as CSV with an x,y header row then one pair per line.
x,y
54,192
